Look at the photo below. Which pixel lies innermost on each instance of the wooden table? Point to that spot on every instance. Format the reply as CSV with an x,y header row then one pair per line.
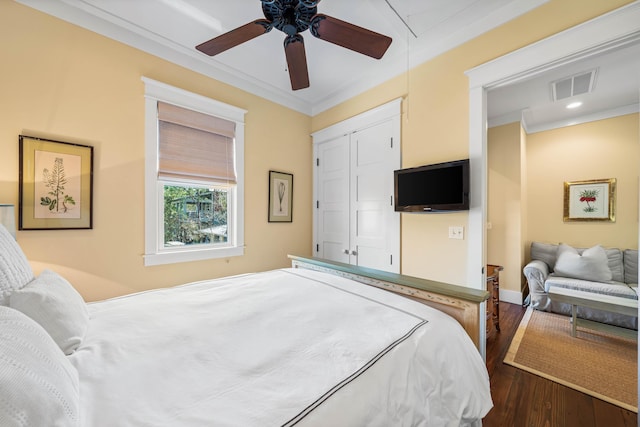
x,y
603,302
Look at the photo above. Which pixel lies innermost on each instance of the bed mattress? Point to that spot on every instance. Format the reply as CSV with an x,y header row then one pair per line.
x,y
278,348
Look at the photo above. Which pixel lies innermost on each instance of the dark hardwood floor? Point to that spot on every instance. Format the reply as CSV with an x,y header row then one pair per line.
x,y
524,399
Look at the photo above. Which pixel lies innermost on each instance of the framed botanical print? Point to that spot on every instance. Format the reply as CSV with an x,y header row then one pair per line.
x,y
56,185
280,197
593,200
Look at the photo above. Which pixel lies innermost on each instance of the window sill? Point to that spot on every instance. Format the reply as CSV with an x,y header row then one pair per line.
x,y
172,257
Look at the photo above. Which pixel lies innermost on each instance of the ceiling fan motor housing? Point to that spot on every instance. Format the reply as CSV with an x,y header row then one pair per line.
x,y
290,16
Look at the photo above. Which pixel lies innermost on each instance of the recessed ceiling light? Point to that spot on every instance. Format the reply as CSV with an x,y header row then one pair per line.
x,y
574,105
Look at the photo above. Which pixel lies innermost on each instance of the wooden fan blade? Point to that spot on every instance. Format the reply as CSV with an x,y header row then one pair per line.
x,y
296,61
235,37
350,36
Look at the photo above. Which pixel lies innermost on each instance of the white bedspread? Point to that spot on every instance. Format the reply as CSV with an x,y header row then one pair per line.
x,y
285,347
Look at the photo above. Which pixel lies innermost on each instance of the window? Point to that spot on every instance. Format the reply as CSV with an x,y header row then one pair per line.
x,y
193,176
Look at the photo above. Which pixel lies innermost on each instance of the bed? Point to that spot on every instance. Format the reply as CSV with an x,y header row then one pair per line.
x,y
287,347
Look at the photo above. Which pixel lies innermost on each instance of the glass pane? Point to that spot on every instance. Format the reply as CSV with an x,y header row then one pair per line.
x,y
194,215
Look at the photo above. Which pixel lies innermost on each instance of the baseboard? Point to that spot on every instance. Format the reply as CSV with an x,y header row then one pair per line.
x,y
513,297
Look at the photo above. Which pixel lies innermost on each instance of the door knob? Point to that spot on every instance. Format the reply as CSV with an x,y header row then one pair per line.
x,y
354,253
346,251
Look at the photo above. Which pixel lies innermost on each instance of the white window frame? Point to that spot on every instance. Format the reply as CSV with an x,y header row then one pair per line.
x,y
155,252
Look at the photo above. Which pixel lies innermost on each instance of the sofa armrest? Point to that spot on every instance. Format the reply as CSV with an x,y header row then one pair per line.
x,y
536,273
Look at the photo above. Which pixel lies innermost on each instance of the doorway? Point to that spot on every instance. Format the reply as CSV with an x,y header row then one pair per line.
x,y
614,30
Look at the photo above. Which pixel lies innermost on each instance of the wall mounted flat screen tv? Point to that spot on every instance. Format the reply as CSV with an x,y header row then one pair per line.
x,y
437,187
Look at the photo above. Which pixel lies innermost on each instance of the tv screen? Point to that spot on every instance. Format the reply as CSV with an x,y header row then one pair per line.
x,y
433,188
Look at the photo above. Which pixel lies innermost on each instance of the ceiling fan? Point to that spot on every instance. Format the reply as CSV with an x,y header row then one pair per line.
x,y
293,17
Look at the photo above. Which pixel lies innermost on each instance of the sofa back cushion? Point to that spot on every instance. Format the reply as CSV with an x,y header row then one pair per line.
x,y
616,264
548,253
545,252
631,266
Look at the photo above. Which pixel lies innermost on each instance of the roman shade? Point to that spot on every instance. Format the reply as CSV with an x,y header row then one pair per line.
x,y
195,146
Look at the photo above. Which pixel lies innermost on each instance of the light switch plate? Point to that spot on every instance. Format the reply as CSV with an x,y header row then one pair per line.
x,y
456,232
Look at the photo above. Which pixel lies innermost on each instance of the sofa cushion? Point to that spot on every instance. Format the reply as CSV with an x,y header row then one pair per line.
x,y
612,288
616,264
545,252
614,261
631,266
592,264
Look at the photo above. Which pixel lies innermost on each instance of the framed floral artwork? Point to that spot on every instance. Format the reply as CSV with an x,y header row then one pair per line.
x,y
55,185
280,197
593,200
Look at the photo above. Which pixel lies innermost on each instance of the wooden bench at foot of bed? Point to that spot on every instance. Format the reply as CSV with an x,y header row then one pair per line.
x,y
461,303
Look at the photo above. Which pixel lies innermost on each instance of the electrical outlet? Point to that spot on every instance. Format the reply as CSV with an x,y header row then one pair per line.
x,y
456,232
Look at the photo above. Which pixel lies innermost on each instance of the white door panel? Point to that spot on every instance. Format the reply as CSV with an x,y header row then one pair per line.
x,y
333,195
369,256
373,160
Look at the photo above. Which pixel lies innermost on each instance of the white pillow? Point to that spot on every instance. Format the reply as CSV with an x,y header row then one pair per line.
x,y
52,302
38,385
591,265
15,271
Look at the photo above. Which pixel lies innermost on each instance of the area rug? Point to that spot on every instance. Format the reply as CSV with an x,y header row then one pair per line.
x,y
598,364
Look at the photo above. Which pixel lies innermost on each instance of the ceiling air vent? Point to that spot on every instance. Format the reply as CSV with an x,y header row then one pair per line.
x,y
573,85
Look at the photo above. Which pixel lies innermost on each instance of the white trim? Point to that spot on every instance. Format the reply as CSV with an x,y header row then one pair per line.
x,y
587,118
612,30
476,235
191,255
615,29
156,91
601,115
512,117
359,122
173,95
513,297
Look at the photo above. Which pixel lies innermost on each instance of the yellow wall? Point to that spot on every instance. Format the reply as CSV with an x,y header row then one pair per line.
x,y
62,82
504,204
602,149
435,124
65,83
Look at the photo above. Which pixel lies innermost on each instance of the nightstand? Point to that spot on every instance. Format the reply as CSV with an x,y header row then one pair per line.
x,y
493,303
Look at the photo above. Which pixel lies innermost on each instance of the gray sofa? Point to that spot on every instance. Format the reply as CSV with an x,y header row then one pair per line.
x,y
623,267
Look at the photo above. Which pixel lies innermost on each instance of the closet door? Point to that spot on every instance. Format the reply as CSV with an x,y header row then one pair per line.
x,y
374,226
332,219
353,220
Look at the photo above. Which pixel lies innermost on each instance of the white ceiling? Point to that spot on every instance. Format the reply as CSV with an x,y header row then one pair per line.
x,y
420,30
615,92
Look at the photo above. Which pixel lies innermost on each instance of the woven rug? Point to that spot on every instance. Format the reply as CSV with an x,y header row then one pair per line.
x,y
598,364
